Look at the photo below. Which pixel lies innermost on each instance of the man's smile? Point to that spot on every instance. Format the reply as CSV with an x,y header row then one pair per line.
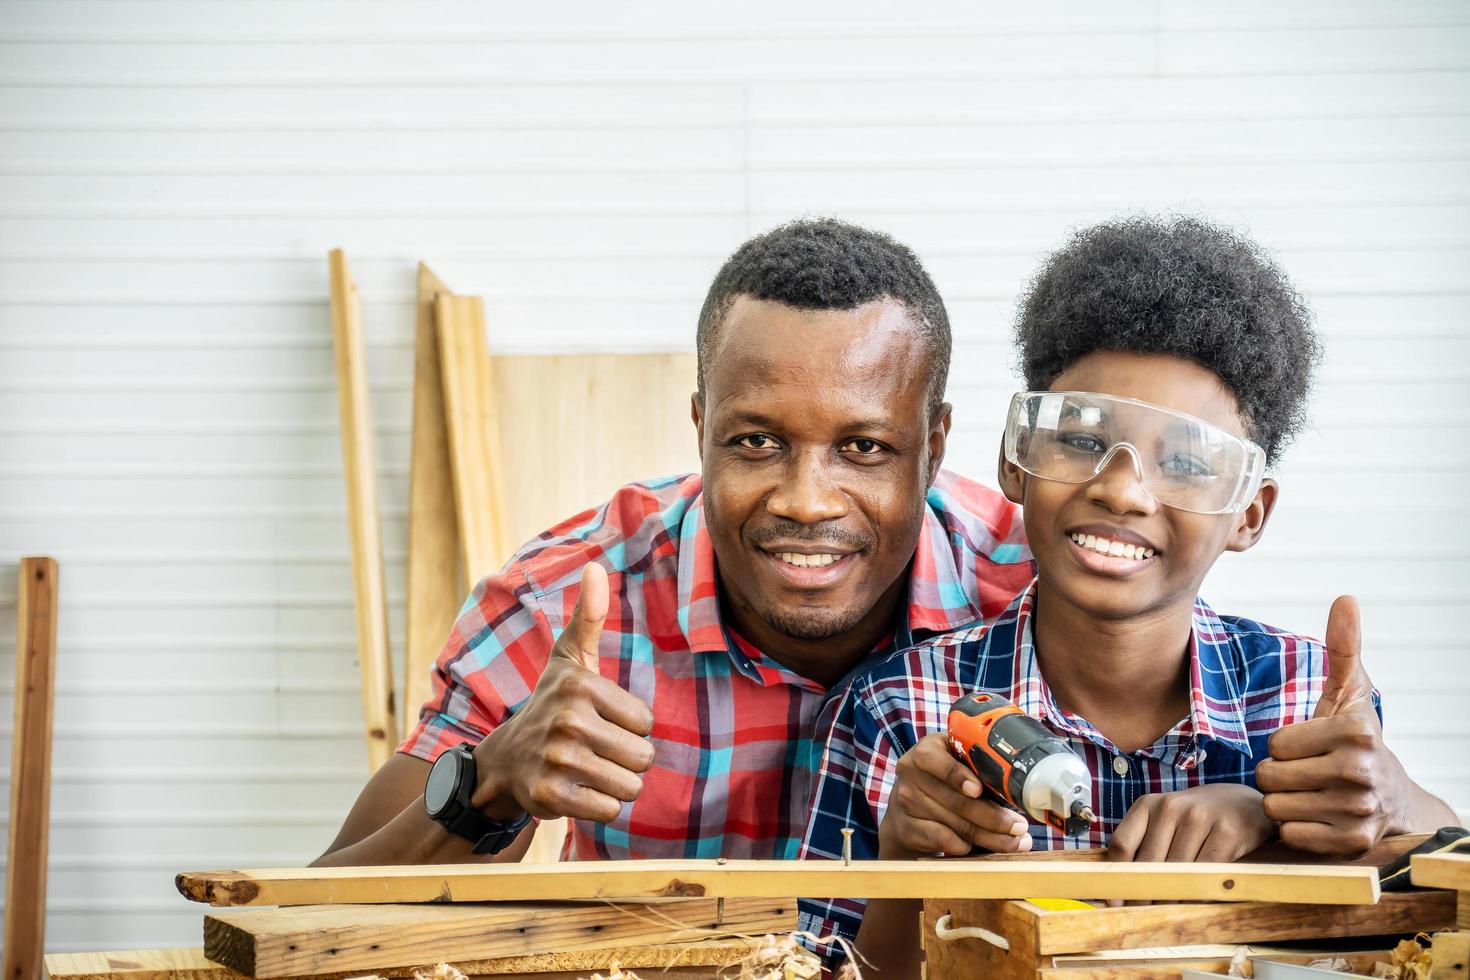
x,y
808,566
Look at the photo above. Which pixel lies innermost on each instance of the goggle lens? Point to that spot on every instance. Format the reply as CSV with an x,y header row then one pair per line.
x,y
1182,461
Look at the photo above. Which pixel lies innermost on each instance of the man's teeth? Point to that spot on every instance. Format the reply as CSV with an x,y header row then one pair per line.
x,y
1115,548
806,561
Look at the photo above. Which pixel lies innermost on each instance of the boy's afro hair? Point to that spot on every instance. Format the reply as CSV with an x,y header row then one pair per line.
x,y
1179,286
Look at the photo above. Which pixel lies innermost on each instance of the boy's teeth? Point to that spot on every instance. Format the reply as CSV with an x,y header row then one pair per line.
x,y
1117,549
806,561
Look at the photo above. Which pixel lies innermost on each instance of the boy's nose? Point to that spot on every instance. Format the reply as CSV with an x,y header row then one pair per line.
x,y
1118,485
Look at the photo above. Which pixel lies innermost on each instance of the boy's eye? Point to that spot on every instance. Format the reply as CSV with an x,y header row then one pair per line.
x,y
1185,465
1082,442
863,447
756,440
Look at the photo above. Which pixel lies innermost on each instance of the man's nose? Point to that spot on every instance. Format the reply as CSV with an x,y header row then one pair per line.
x,y
1119,485
807,493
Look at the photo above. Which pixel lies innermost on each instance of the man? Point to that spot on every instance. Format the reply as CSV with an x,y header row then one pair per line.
x,y
819,536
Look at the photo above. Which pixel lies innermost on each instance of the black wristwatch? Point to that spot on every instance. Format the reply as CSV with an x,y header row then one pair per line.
x,y
447,798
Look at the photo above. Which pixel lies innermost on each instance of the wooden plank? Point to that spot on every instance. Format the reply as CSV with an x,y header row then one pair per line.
x,y
326,938
976,957
435,588
1238,922
360,469
780,879
30,768
191,964
1441,871
585,405
1169,967
472,416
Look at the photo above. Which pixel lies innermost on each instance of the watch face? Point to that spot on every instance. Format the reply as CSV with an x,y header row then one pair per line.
x,y
439,790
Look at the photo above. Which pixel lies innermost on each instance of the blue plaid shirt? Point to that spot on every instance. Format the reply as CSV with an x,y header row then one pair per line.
x,y
1246,681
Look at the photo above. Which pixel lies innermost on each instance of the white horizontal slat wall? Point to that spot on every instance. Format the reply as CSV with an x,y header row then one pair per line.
x,y
173,173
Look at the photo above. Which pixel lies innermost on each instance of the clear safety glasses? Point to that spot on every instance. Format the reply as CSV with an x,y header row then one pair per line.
x,y
1184,462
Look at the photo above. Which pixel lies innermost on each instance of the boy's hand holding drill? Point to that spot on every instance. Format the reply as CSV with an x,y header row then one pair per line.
x,y
935,807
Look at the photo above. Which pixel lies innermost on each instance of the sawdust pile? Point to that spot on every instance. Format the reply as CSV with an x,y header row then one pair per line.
x,y
1411,960
772,958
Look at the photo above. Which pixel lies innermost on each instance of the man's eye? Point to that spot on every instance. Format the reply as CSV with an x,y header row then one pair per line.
x,y
863,447
756,440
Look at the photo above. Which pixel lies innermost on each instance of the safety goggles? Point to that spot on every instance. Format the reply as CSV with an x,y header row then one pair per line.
x,y
1182,461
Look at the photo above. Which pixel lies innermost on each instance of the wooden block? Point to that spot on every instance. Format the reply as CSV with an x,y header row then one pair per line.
x,y
1240,922
328,938
565,423
30,768
1441,871
685,959
360,469
779,879
472,417
976,957
1451,956
435,582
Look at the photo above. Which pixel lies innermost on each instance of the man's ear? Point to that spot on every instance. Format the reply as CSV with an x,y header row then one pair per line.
x,y
1012,478
1250,523
696,415
938,439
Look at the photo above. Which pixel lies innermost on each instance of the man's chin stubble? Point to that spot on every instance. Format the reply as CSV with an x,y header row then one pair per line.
x,y
810,624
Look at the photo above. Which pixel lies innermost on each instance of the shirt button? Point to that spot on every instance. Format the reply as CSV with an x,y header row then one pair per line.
x,y
1120,765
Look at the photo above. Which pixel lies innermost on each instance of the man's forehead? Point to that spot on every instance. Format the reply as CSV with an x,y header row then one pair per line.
x,y
771,341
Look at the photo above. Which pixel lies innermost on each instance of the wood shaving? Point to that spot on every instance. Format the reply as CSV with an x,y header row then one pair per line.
x,y
441,972
618,973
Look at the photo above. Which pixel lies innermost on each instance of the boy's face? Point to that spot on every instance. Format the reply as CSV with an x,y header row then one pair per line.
x,y
1115,505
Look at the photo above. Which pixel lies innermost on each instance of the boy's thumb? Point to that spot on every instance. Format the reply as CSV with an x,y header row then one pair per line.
x,y
1347,683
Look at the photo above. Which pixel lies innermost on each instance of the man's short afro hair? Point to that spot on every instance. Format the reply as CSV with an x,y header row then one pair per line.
x,y
1179,286
826,264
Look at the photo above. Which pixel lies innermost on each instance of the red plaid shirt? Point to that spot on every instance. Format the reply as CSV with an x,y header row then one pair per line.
x,y
737,736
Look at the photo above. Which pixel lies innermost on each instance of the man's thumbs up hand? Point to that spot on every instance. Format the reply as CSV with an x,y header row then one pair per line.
x,y
1347,686
577,746
1331,782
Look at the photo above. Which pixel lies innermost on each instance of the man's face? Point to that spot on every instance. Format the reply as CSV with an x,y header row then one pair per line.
x,y
817,451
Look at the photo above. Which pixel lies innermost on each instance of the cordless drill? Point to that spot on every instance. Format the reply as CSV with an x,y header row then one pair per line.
x,y
1020,761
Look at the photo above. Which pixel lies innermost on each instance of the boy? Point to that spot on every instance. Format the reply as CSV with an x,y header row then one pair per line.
x,y
1169,363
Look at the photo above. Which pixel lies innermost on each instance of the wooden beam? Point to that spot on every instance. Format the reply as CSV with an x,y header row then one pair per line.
x,y
30,769
624,880
326,938
472,414
191,964
360,469
435,583
1074,931
1441,871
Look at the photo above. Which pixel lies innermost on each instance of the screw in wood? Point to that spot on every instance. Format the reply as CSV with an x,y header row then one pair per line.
x,y
846,845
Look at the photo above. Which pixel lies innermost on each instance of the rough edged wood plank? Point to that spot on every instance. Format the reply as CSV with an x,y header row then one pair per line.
x,y
190,964
434,579
472,416
326,938
1239,922
585,405
624,880
360,469
1441,871
30,768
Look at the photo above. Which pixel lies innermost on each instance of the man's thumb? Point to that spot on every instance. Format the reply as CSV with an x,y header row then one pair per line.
x,y
579,639
1347,681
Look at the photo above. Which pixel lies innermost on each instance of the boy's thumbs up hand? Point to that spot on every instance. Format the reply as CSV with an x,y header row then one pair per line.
x,y
577,746
1331,781
1347,686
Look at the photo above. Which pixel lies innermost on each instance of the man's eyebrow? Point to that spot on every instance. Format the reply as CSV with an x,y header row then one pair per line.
x,y
751,417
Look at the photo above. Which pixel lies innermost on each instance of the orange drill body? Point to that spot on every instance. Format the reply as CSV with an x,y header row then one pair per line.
x,y
1019,760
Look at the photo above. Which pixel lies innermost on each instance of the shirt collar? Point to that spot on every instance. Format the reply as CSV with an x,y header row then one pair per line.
x,y
1217,710
937,599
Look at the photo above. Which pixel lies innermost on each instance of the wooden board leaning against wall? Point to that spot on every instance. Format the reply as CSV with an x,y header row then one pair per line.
x,y
501,454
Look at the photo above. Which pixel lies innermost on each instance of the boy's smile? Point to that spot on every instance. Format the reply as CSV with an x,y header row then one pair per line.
x,y
1107,547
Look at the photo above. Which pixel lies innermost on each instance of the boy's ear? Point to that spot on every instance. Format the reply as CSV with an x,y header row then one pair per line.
x,y
1012,479
1251,523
